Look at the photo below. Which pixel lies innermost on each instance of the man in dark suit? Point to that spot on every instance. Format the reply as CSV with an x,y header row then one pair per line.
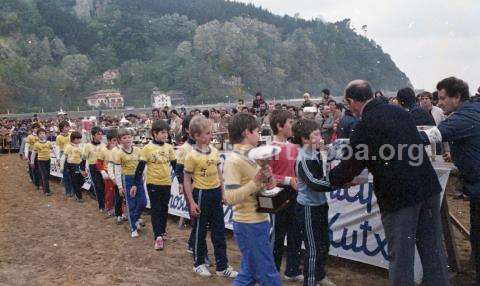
x,y
386,141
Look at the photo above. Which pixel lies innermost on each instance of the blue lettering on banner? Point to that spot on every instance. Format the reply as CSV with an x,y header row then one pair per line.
x,y
353,245
178,203
343,194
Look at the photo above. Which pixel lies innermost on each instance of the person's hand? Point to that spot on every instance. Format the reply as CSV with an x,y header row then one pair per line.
x,y
133,191
294,183
194,210
180,189
121,191
447,157
224,201
259,178
271,183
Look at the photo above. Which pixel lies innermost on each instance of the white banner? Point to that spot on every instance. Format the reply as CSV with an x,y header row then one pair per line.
x,y
355,226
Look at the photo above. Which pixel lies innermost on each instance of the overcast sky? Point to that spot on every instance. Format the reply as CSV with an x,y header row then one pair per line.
x,y
427,39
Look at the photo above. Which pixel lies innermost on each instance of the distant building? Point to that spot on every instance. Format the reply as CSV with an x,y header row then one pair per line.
x,y
161,99
177,97
105,98
110,76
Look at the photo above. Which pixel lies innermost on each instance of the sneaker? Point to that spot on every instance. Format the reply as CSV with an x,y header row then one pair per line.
x,y
298,278
208,263
138,225
119,220
48,194
326,282
79,200
134,234
141,222
189,249
202,270
228,273
159,243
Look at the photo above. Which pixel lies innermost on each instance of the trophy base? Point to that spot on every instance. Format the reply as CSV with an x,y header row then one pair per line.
x,y
273,204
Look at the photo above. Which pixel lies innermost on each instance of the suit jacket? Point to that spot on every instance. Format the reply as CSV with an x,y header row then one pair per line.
x,y
401,181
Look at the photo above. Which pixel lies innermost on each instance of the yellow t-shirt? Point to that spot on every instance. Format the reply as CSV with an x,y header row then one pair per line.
x,y
31,140
158,159
204,168
128,161
182,152
91,152
43,150
73,153
62,141
240,189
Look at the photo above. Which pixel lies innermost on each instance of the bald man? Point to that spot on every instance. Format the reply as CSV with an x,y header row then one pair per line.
x,y
387,143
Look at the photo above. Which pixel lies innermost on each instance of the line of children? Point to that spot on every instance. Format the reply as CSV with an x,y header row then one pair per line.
x,y
157,156
42,150
91,152
243,178
312,208
205,195
121,170
126,161
285,223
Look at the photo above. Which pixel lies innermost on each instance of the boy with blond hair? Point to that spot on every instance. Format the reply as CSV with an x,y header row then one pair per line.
x,y
202,166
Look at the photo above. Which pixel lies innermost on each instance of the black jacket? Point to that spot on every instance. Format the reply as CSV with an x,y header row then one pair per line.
x,y
347,125
421,116
401,181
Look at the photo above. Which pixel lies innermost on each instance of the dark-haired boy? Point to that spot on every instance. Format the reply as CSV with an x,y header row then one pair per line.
x,y
158,156
91,153
62,141
243,178
312,207
73,161
105,158
283,169
42,150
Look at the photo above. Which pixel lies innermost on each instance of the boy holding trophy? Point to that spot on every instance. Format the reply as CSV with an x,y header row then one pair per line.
x,y
243,179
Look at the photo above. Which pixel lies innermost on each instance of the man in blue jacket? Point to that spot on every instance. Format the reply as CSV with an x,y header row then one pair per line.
x,y
405,184
462,131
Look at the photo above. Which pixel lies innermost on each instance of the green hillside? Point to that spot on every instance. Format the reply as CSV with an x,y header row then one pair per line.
x,y
53,52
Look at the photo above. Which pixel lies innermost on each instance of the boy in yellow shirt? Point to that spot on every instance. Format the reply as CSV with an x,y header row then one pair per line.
x,y
30,142
91,152
243,178
103,161
73,161
126,161
202,165
62,140
42,150
158,156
